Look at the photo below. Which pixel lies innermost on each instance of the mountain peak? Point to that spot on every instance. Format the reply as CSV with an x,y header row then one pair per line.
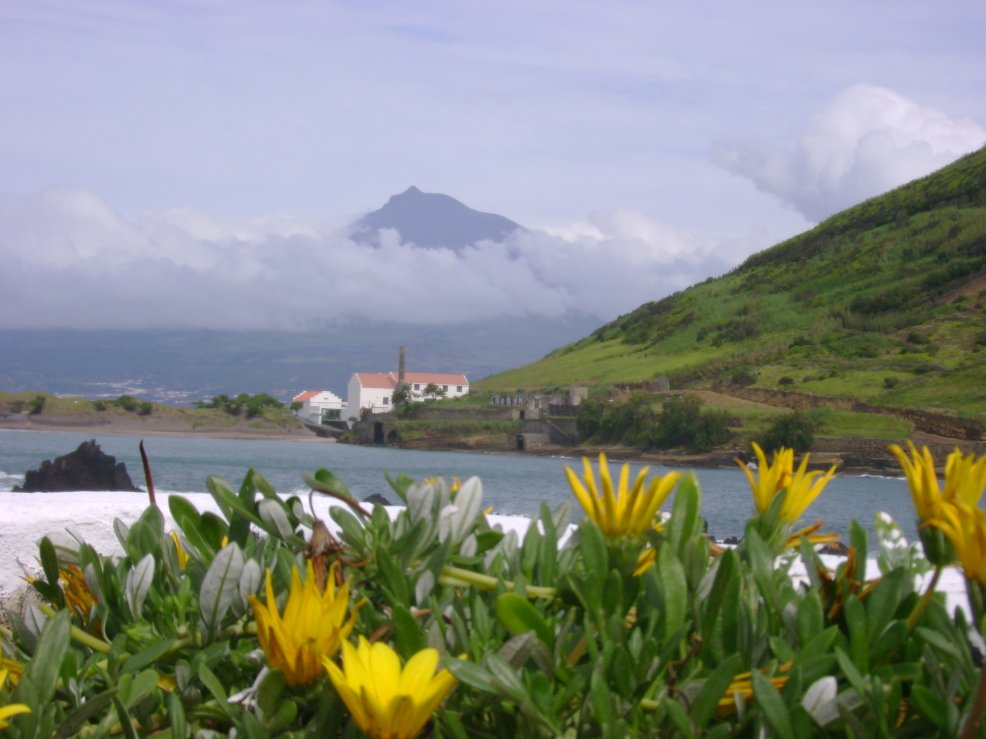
x,y
433,221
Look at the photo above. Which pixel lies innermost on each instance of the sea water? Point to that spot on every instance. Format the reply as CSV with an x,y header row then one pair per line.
x,y
512,483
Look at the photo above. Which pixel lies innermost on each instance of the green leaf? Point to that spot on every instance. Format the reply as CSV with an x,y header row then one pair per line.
x,y
592,545
199,533
685,513
232,506
853,675
673,588
932,706
771,705
394,578
409,637
859,646
36,687
811,617
883,601
472,674
176,714
220,587
80,716
146,534
215,687
275,517
148,655
505,678
353,532
547,562
858,541
139,581
49,563
239,525
518,616
326,481
270,692
714,688
601,700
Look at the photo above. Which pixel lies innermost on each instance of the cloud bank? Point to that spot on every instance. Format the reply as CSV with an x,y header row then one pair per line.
x,y
868,140
70,261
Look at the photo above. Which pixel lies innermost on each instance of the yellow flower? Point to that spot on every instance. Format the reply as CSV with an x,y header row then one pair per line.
x,y
965,479
179,550
743,684
312,628
12,709
965,527
78,596
625,510
10,669
385,701
802,486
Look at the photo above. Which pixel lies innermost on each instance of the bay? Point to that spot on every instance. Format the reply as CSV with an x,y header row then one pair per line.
x,y
512,484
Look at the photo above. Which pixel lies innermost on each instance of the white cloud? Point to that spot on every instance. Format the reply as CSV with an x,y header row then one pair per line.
x,y
68,260
867,141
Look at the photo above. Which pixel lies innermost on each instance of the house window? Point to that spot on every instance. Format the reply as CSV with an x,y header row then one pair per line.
x,y
445,388
417,386
458,388
386,401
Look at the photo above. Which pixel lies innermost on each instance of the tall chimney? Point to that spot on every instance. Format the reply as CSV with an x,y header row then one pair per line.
x,y
400,370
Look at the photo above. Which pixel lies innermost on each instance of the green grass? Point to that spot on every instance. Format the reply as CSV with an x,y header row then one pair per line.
x,y
892,288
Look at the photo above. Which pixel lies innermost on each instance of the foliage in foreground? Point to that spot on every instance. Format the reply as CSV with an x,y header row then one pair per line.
x,y
258,621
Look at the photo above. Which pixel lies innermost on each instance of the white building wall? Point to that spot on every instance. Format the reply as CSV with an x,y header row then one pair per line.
x,y
376,399
311,409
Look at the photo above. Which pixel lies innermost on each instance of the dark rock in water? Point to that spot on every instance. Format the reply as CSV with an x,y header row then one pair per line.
x,y
836,547
377,499
87,468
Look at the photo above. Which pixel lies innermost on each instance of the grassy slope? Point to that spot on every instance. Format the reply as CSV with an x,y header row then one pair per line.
x,y
885,301
84,409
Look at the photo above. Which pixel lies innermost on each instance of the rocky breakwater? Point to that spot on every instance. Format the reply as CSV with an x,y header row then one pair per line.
x,y
87,468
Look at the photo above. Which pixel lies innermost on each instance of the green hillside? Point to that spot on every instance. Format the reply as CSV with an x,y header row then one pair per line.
x,y
884,302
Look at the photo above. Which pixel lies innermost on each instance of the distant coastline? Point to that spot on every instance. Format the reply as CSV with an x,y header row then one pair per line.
x,y
133,425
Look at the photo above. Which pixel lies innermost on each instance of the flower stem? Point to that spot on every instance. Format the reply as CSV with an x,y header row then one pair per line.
x,y
86,639
972,720
922,606
458,576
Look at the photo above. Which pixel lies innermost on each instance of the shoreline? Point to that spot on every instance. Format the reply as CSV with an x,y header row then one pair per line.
x,y
130,425
844,454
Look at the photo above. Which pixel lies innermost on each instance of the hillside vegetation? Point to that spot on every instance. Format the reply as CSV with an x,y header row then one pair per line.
x,y
883,303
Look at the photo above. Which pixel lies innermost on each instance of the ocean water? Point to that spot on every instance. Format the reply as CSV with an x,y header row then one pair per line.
x,y
512,484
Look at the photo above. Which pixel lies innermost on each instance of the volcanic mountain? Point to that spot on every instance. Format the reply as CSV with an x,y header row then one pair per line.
x,y
433,221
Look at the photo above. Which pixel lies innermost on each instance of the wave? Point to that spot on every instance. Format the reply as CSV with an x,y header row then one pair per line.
x,y
8,480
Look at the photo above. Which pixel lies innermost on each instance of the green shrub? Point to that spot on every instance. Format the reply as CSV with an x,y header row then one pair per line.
x,y
743,376
794,430
37,404
127,402
145,408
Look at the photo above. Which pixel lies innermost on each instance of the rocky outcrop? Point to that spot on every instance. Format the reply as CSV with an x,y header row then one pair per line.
x,y
87,468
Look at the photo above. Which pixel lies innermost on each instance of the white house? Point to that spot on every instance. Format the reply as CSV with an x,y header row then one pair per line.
x,y
373,390
319,406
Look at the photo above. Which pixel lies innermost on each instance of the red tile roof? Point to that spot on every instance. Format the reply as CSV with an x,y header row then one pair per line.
x,y
377,380
388,380
305,395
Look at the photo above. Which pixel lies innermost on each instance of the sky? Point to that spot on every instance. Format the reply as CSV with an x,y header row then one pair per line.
x,y
195,164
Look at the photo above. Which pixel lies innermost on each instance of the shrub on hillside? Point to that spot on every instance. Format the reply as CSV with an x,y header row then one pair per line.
x,y
795,430
683,423
127,402
37,404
